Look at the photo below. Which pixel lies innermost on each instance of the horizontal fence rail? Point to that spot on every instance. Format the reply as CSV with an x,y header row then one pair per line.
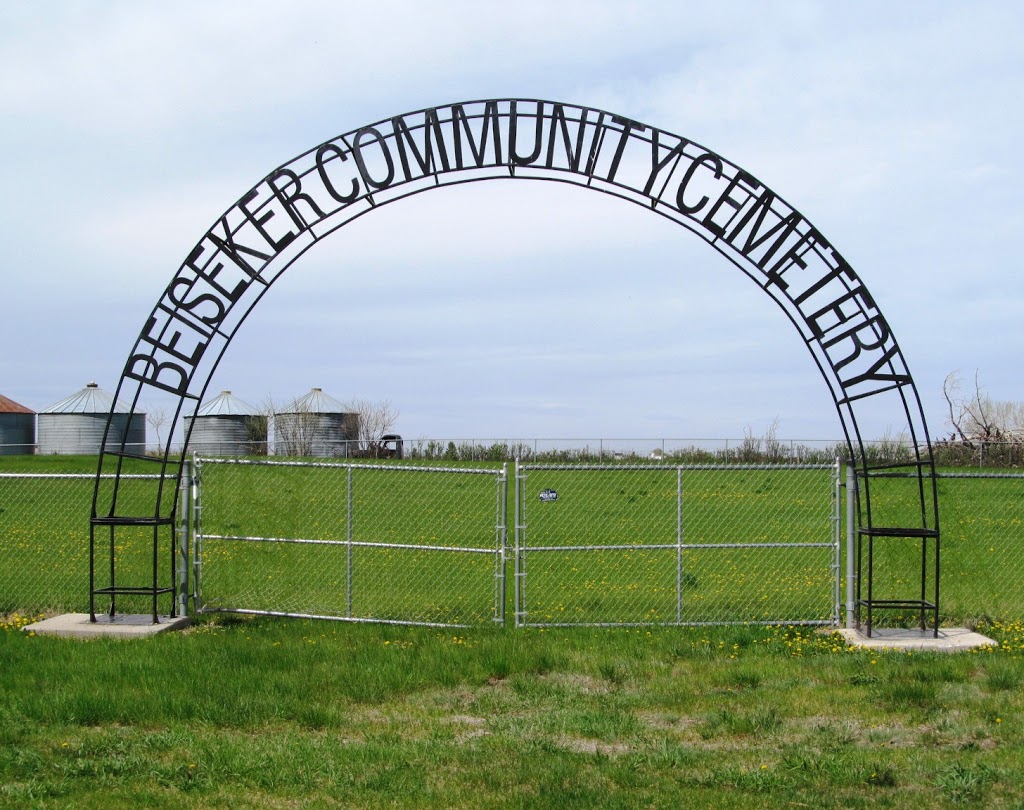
x,y
751,449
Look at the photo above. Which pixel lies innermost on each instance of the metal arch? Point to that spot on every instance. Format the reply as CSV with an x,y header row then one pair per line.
x,y
304,200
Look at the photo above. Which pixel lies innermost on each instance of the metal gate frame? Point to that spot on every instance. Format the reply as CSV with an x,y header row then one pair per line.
x,y
521,549
193,537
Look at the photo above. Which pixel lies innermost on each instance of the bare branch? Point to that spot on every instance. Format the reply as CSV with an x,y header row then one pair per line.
x,y
978,418
375,419
950,386
157,418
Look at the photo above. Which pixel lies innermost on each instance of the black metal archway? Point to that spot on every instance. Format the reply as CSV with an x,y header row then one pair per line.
x,y
304,200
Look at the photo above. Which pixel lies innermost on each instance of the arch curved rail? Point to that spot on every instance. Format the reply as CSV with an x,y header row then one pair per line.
x,y
305,200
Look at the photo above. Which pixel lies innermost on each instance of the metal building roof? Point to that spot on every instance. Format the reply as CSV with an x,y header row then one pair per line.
x,y
10,406
91,399
226,404
316,401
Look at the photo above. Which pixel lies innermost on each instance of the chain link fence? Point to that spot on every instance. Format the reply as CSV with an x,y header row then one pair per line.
x,y
388,543
594,544
982,554
425,543
44,541
982,545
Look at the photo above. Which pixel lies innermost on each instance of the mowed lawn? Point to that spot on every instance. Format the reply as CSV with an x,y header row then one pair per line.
x,y
265,712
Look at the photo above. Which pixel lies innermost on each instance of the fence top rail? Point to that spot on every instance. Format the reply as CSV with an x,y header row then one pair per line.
x,y
675,467
348,465
83,476
978,475
940,474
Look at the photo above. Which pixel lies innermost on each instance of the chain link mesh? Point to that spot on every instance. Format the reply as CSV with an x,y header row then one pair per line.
x,y
354,541
982,564
44,541
982,545
675,545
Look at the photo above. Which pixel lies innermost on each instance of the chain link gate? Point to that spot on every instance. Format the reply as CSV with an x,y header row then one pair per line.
x,y
357,542
594,544
672,545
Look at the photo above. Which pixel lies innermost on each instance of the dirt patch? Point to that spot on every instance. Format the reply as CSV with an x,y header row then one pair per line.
x,y
475,727
583,684
584,746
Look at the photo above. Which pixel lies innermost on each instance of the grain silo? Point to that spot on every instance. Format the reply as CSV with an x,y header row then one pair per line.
x,y
227,426
17,428
315,425
74,426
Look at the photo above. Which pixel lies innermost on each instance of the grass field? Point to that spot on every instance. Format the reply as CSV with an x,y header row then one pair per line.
x,y
295,713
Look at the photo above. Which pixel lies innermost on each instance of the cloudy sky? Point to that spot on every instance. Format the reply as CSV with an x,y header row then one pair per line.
x,y
510,309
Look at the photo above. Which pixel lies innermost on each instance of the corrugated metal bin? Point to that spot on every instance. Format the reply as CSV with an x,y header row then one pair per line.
x,y
227,426
315,425
75,425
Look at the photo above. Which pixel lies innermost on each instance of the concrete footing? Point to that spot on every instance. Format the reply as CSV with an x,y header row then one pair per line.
x,y
122,625
131,625
951,639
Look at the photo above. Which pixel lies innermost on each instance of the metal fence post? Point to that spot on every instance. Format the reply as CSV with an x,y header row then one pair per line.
x,y
679,545
348,534
851,568
501,540
198,601
520,528
183,556
837,527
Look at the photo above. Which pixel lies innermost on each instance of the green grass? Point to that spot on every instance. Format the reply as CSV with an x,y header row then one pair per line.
x,y
296,713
